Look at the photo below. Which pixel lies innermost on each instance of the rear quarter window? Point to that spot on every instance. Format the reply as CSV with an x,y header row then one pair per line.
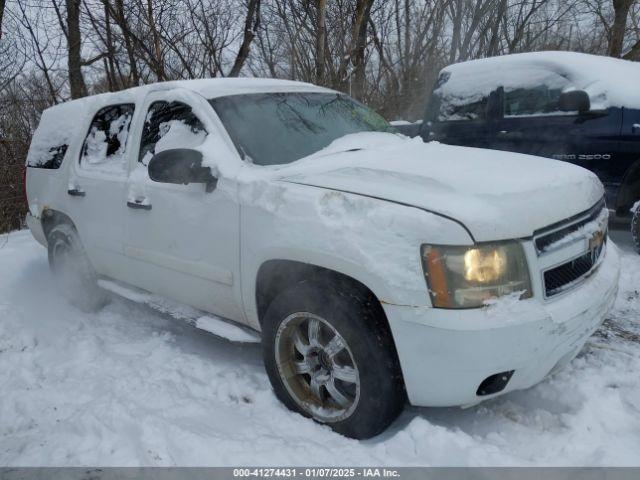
x,y
60,129
49,158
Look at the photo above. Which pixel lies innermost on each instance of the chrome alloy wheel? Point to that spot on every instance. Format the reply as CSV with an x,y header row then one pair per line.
x,y
317,367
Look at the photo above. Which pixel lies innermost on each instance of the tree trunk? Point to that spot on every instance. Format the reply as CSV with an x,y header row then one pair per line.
x,y
1,15
126,36
109,62
321,33
251,24
76,80
362,15
616,38
159,70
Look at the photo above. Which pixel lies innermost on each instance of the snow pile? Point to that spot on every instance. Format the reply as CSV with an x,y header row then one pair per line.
x,y
129,386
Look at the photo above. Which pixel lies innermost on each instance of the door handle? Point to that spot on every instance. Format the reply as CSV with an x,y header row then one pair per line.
x,y
138,205
76,192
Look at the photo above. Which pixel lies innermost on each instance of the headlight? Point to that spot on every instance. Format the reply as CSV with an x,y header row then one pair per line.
x,y
465,277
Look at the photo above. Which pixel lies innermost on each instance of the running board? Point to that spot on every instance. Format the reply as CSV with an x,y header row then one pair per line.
x,y
218,326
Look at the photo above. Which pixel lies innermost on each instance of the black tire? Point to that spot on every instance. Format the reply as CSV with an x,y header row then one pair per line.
x,y
635,228
76,278
362,325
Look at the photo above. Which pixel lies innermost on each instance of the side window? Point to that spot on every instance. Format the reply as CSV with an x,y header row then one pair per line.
x,y
50,158
539,97
104,147
169,125
455,102
454,109
538,100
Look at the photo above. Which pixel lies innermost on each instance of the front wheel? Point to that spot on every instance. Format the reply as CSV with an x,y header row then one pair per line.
x,y
330,356
635,227
75,276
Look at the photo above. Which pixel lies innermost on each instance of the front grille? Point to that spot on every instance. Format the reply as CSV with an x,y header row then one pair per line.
x,y
589,227
562,277
544,240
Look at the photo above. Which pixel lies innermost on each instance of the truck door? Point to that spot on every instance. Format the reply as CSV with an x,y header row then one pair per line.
x,y
533,123
182,241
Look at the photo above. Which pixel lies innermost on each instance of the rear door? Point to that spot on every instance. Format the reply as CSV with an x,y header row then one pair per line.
x,y
182,242
97,182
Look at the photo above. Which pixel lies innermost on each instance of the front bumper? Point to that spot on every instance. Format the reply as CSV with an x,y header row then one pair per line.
x,y
446,354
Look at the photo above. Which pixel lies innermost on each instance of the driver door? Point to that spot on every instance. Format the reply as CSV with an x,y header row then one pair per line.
x,y
182,242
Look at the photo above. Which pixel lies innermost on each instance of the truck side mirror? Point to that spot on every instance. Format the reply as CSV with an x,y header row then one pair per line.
x,y
181,166
574,101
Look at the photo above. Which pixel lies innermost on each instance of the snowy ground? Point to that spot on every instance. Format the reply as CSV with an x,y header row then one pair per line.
x,y
129,386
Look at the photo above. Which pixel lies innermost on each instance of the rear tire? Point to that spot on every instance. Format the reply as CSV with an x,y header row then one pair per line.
x,y
635,228
76,278
330,356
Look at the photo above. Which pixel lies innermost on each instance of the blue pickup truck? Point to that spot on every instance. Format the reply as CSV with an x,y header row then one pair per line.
x,y
579,108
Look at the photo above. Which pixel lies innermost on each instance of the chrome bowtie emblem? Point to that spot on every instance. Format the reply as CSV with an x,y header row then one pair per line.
x,y
595,244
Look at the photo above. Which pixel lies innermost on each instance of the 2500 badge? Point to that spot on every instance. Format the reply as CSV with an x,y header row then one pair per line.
x,y
583,156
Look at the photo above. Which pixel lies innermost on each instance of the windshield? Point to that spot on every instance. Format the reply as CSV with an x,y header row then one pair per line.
x,y
278,128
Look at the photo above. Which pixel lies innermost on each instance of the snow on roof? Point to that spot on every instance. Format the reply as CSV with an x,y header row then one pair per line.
x,y
208,88
58,124
610,82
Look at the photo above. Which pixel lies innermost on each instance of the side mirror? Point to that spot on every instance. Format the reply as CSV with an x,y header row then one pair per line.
x,y
574,101
181,166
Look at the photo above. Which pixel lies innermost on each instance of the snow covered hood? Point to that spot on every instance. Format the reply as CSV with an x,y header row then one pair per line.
x,y
610,82
496,195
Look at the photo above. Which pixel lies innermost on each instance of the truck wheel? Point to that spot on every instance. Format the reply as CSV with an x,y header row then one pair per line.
x,y
329,356
69,263
635,228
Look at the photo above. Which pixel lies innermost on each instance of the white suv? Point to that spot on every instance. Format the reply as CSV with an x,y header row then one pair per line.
x,y
377,268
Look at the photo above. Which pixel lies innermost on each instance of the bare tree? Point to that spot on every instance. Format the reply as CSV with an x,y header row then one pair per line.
x,y
1,15
74,59
620,15
251,25
321,38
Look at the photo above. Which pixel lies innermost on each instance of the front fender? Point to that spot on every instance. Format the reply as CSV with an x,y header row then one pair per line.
x,y
373,241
